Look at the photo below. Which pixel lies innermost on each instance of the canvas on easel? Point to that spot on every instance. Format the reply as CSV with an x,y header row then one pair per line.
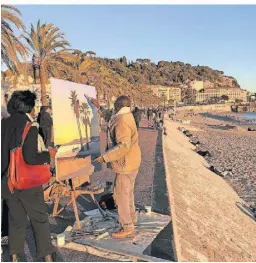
x,y
75,128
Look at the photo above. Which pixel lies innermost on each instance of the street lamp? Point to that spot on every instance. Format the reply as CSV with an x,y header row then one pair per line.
x,y
35,65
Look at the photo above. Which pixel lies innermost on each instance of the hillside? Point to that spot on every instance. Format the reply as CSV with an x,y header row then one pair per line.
x,y
143,71
113,77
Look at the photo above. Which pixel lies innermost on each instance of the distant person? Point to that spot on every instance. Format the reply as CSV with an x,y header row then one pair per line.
x,y
28,202
150,116
154,115
124,155
137,116
46,125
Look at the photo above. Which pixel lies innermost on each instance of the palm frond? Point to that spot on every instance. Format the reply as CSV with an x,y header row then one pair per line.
x,y
12,48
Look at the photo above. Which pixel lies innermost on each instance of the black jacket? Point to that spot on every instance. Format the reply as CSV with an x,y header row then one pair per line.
x,y
45,120
137,116
11,133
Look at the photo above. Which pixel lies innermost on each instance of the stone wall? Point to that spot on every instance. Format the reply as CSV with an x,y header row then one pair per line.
x,y
205,108
207,222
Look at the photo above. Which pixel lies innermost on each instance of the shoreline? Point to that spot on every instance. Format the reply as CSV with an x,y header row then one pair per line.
x,y
231,147
227,117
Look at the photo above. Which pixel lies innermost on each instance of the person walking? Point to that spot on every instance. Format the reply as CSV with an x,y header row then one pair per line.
x,y
28,202
150,115
124,155
137,116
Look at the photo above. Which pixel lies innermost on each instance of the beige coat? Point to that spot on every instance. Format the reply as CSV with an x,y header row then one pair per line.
x,y
123,153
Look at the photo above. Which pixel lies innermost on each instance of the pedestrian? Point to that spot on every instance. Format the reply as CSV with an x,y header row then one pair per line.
x,y
137,116
150,116
124,155
28,202
46,125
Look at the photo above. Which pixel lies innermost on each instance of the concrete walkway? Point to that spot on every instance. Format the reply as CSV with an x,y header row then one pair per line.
x,y
150,189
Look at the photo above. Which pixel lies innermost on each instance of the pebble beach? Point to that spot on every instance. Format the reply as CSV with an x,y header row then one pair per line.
x,y
232,149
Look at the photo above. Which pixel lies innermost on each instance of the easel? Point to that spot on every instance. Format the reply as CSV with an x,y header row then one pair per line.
x,y
69,185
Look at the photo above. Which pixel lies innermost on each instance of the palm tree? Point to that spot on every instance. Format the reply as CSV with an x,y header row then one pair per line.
x,y
76,106
90,53
85,112
84,68
50,48
11,47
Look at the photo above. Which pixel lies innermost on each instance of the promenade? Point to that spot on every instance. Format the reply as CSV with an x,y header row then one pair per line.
x,y
150,189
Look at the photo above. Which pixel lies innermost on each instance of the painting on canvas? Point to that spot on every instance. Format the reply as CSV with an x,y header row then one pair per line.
x,y
75,126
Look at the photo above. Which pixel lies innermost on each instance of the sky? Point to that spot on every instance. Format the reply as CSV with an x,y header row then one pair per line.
x,y
221,37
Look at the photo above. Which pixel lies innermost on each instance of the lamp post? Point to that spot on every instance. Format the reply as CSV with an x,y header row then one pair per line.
x,y
35,65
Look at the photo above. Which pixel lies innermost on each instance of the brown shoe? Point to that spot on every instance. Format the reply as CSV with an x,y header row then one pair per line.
x,y
124,233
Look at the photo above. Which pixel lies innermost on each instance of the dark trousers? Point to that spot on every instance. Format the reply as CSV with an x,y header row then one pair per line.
x,y
137,124
5,225
23,203
47,136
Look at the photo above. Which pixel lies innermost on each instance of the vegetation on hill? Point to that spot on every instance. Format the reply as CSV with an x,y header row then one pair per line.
x,y
163,73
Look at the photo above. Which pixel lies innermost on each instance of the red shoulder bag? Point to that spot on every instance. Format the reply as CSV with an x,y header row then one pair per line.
x,y
23,175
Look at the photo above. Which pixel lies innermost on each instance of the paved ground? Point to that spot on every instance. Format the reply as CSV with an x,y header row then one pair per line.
x,y
150,189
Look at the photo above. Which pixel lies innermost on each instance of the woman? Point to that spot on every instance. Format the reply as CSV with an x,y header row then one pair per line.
x,y
46,124
28,202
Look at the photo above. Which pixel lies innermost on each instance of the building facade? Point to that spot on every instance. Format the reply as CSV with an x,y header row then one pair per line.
x,y
208,84
197,85
168,93
232,93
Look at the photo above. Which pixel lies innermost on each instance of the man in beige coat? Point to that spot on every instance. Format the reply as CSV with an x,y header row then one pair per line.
x,y
124,155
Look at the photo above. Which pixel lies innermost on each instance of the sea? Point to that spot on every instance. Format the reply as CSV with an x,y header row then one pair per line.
x,y
246,115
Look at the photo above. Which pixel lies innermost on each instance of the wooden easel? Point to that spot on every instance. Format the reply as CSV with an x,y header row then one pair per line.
x,y
69,185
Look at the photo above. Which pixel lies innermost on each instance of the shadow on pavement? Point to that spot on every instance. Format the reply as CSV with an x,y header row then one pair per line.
x,y
162,246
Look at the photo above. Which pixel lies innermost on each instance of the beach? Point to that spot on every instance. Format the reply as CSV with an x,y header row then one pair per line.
x,y
231,146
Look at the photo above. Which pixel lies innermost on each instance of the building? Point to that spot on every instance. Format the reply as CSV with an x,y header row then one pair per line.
x,y
175,94
227,81
232,93
251,96
169,93
11,84
197,85
208,84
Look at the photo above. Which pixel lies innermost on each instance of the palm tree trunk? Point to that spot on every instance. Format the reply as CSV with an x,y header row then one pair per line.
x,y
80,133
86,133
42,74
108,100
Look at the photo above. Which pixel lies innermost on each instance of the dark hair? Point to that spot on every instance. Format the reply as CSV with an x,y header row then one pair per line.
x,y
122,101
136,109
21,102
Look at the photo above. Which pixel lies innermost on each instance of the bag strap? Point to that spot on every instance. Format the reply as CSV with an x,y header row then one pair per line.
x,y
25,132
